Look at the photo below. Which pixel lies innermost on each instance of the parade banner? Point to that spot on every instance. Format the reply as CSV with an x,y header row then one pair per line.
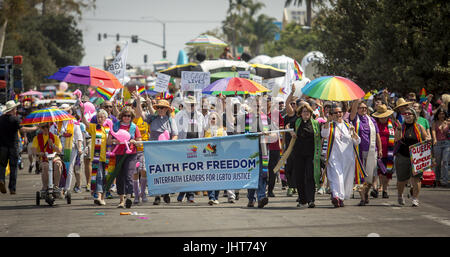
x,y
194,80
421,158
191,165
119,65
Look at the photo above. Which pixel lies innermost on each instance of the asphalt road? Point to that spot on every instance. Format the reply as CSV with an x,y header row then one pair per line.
x,y
20,217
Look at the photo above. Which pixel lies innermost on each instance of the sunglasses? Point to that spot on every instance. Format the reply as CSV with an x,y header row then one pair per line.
x,y
126,115
159,108
108,106
293,103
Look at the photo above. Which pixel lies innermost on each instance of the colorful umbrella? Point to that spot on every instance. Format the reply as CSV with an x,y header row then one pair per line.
x,y
234,85
46,115
206,40
333,88
87,75
267,71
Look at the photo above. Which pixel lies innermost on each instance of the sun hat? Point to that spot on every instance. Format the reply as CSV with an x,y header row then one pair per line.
x,y
162,103
10,105
190,99
401,102
64,106
382,111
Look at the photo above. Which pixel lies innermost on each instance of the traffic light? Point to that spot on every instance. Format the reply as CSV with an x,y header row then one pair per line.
x,y
117,37
164,53
134,38
145,58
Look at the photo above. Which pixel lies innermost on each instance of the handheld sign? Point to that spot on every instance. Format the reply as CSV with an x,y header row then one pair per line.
x,y
258,79
420,156
244,74
194,80
162,82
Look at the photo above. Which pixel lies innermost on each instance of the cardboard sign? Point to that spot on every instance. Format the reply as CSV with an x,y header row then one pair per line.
x,y
421,158
244,74
257,79
194,80
162,82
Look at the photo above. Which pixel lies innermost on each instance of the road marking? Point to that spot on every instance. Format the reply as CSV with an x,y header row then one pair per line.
x,y
437,219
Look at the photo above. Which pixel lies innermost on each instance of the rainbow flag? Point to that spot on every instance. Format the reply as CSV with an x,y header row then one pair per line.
x,y
209,148
106,93
164,95
141,90
297,70
423,95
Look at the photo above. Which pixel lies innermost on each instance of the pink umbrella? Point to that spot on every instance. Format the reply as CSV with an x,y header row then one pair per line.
x,y
32,92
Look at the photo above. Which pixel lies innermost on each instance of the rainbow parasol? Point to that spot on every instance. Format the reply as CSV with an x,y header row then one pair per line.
x,y
46,115
234,85
87,75
333,88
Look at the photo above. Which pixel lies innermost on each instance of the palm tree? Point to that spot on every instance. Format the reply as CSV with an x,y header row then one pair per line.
x,y
259,32
309,4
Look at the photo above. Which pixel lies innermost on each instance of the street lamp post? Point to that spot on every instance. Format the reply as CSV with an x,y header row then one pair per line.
x,y
164,33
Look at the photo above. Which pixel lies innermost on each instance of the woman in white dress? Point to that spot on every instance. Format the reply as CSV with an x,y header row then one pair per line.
x,y
340,156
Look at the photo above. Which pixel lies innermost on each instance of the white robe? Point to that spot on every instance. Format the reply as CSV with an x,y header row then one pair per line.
x,y
341,164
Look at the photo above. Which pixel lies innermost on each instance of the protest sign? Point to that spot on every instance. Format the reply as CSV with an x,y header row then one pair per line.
x,y
194,80
119,64
244,74
191,165
421,158
258,79
162,82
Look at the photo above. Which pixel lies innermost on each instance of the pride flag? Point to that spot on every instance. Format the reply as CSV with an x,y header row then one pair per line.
x,y
297,70
423,95
141,90
105,93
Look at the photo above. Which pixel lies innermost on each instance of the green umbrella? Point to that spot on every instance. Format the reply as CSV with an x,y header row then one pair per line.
x,y
225,74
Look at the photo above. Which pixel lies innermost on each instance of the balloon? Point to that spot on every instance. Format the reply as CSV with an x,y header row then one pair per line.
x,y
63,86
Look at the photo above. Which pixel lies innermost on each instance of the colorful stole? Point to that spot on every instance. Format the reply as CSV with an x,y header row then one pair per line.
x,y
416,131
317,147
391,143
96,159
264,151
45,148
359,170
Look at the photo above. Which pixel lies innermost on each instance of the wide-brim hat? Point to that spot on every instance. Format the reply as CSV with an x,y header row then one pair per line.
x,y
162,103
10,105
401,102
190,99
382,111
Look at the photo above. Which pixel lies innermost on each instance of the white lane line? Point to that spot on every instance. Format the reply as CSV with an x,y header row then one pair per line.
x,y
437,219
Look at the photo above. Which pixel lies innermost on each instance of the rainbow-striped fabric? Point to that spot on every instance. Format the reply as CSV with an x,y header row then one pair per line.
x,y
105,93
141,90
423,95
297,71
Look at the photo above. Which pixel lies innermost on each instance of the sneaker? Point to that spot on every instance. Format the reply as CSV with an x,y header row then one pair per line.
x,y
191,199
109,195
2,187
144,198
88,188
289,192
128,203
311,205
97,201
121,205
102,202
263,202
216,202
166,198
415,202
211,202
251,204
113,188
401,200
385,194
374,193
157,200
299,205
77,190
321,191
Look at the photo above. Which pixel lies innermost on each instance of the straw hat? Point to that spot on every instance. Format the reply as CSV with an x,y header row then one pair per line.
x,y
382,111
10,105
401,102
162,103
190,99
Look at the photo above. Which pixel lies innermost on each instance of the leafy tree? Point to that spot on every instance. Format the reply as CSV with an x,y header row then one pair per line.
x,y
309,5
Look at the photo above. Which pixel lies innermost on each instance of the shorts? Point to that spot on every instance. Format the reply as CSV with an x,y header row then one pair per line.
x,y
403,168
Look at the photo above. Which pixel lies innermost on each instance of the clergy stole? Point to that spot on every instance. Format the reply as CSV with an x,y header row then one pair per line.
x,y
391,143
359,169
317,147
68,139
96,160
371,161
264,150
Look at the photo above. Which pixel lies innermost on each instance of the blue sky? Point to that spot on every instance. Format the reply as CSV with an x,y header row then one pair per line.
x,y
185,19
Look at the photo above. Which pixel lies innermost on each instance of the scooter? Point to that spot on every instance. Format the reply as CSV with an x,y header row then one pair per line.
x,y
51,194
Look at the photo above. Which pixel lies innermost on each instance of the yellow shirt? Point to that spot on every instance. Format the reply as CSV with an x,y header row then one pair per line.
x,y
45,137
220,133
144,128
92,130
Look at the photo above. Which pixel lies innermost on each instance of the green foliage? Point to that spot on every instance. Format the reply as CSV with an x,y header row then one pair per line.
x,y
401,45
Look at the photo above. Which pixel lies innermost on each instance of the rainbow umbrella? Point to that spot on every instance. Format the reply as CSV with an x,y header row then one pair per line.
x,y
46,115
333,88
87,75
234,85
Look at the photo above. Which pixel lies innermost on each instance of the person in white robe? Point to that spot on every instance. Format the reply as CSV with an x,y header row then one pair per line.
x,y
341,160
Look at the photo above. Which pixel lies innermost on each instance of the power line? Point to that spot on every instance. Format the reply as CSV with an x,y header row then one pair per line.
x,y
151,21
